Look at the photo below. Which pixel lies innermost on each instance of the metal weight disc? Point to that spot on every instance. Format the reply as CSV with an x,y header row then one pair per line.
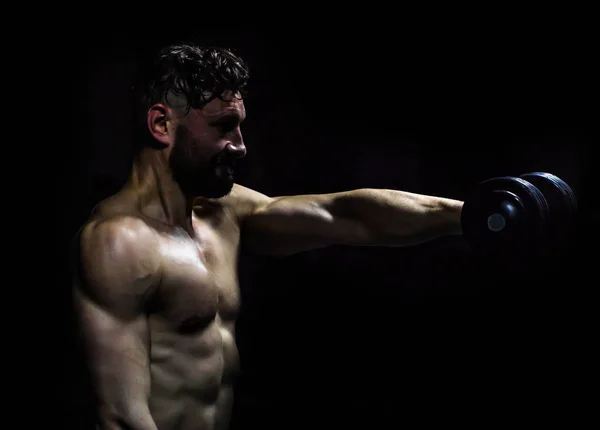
x,y
562,203
505,215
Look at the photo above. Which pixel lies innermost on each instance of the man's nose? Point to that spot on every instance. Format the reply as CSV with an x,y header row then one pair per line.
x,y
237,148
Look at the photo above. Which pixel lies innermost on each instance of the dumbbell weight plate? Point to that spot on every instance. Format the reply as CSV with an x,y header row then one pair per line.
x,y
505,215
562,203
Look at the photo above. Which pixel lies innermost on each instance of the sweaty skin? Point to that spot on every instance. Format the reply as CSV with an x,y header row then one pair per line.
x,y
157,288
165,301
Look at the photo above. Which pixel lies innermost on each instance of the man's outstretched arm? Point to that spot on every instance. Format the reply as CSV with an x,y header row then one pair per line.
x,y
363,217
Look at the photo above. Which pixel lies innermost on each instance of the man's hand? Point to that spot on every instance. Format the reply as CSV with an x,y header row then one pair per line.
x,y
364,217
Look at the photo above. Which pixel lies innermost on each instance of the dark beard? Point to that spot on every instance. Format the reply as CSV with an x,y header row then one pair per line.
x,y
197,175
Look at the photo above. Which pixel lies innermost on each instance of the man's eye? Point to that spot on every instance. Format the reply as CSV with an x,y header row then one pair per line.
x,y
227,126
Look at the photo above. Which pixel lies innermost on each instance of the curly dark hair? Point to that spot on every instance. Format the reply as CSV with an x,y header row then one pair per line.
x,y
194,73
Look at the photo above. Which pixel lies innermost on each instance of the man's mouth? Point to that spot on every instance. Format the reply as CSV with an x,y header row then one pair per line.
x,y
225,169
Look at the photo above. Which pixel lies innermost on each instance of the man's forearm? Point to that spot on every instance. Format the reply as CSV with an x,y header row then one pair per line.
x,y
398,218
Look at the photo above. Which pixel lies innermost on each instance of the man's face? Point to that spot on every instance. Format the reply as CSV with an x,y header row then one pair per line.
x,y
206,144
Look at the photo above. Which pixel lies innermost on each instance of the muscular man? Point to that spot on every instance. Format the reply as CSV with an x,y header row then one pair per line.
x,y
156,289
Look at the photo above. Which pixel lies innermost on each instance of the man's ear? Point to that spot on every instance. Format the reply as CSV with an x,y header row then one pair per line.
x,y
158,123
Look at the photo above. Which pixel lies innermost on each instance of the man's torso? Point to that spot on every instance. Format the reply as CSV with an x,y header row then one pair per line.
x,y
191,316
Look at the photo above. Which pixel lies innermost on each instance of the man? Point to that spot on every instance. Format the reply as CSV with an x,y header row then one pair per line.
x,y
156,289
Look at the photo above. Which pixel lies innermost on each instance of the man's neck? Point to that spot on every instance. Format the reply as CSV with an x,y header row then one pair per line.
x,y
161,197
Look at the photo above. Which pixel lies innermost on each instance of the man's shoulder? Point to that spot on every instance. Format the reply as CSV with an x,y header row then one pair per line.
x,y
127,235
244,201
123,224
242,194
116,251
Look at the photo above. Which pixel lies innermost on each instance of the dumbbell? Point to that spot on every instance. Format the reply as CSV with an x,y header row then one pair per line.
x,y
562,204
519,215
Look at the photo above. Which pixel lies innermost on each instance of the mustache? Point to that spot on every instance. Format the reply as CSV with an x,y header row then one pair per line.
x,y
224,159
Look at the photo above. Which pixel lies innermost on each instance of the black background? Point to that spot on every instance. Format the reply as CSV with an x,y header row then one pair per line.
x,y
371,336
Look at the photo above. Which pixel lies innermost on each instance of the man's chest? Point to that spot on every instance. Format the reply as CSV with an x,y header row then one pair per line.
x,y
199,276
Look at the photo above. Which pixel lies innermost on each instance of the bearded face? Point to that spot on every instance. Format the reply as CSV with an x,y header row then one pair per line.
x,y
206,144
198,170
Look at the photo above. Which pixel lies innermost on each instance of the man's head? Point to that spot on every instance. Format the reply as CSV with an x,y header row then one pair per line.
x,y
189,103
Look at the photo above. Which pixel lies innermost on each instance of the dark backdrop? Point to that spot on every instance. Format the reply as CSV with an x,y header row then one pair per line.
x,y
372,336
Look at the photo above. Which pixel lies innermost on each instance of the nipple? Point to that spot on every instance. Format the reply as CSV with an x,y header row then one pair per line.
x,y
195,323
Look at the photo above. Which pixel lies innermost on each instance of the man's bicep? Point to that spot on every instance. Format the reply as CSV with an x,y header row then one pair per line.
x,y
114,345
111,341
118,360
116,275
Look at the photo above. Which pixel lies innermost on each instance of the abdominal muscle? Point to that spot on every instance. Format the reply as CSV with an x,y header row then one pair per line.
x,y
192,377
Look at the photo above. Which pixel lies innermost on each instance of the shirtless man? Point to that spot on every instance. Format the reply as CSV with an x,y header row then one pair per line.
x,y
156,288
